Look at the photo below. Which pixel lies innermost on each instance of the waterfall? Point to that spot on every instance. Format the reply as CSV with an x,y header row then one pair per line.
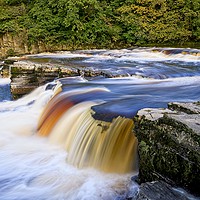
x,y
58,144
32,167
109,146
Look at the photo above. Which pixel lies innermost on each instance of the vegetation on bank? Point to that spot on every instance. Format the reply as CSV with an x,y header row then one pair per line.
x,y
102,23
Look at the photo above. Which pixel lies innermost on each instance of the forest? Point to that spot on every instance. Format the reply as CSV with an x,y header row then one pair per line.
x,y
103,23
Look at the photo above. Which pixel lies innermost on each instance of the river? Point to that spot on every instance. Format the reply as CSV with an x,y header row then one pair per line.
x,y
35,167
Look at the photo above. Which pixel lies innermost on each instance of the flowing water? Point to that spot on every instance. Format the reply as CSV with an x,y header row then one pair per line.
x,y
75,141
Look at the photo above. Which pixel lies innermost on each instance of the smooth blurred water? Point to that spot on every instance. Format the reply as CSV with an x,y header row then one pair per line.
x,y
32,168
146,62
144,77
125,96
5,94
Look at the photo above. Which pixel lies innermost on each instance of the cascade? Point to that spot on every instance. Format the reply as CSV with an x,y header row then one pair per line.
x,y
58,144
109,146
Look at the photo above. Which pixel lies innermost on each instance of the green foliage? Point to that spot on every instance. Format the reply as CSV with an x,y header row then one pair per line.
x,y
9,16
159,21
102,23
10,52
15,2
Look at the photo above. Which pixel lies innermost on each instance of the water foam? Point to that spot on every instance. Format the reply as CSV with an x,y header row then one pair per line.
x,y
4,81
128,55
32,168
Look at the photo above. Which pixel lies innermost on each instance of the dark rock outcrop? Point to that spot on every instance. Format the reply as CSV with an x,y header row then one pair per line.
x,y
159,190
169,145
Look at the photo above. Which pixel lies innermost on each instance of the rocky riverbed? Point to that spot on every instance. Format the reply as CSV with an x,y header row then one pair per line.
x,y
26,76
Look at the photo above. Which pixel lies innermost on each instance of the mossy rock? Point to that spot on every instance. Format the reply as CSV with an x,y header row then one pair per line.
x,y
168,150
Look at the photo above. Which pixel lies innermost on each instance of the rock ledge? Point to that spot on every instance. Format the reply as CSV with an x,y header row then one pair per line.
x,y
169,145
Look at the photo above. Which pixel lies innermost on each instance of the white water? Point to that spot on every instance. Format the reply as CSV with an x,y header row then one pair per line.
x,y
4,81
159,63
5,89
137,80
126,55
32,168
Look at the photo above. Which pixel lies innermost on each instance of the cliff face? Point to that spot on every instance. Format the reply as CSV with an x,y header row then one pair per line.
x,y
17,44
13,44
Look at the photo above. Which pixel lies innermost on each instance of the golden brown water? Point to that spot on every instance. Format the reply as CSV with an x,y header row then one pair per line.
x,y
108,146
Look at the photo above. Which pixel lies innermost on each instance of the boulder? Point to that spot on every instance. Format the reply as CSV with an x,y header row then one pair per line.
x,y
169,145
159,190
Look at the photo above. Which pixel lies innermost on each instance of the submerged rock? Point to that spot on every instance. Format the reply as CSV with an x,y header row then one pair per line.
x,y
169,145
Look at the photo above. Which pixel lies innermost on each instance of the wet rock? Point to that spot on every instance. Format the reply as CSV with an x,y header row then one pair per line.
x,y
9,61
159,190
27,75
4,70
169,145
189,108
